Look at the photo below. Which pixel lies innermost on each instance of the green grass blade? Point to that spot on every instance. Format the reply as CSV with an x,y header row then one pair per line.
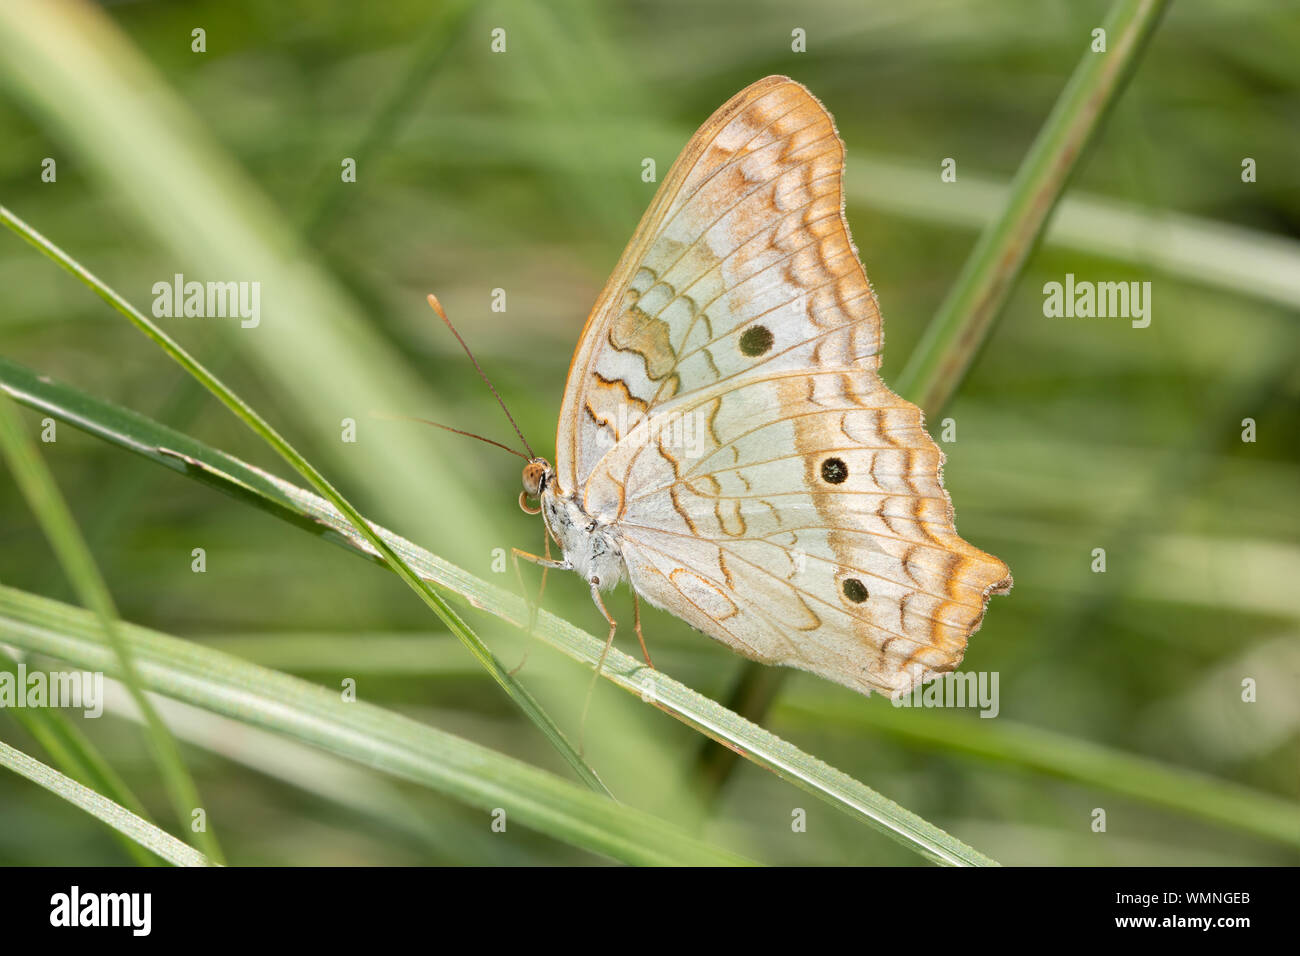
x,y
953,338
1007,743
263,429
167,173
77,757
361,731
42,494
1079,761
1247,263
304,509
429,831
116,816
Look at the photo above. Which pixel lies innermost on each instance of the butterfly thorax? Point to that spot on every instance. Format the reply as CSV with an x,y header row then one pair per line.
x,y
590,543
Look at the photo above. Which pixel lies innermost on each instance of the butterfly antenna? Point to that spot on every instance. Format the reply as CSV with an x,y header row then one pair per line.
x,y
437,307
448,428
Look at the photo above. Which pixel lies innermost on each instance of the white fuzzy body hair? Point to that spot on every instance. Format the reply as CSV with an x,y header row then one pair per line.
x,y
590,544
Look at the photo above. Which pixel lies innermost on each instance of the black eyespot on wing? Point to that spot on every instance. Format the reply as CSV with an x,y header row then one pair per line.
x,y
855,590
834,471
755,340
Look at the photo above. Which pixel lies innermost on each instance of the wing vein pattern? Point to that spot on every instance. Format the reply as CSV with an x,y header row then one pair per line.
x,y
724,413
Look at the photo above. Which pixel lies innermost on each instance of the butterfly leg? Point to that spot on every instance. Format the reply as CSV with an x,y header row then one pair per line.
x,y
600,664
613,625
546,563
546,545
636,610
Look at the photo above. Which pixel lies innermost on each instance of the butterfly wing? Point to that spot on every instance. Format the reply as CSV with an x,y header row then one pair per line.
x,y
723,409
800,519
744,249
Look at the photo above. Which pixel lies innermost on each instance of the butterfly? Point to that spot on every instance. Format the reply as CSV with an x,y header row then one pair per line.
x,y
725,443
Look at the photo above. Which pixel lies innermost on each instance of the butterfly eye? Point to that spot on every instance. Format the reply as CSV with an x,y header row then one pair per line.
x,y
855,590
534,478
755,340
834,471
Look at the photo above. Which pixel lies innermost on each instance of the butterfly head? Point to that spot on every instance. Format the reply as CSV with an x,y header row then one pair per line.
x,y
537,475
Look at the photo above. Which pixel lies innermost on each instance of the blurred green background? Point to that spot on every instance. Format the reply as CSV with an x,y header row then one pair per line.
x,y
522,171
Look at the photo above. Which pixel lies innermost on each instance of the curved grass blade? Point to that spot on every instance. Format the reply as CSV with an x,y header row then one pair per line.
x,y
1139,778
300,464
423,828
77,757
304,509
953,338
1243,262
360,731
91,89
42,494
116,816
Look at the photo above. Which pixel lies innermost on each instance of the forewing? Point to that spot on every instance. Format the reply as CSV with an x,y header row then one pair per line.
x,y
742,266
